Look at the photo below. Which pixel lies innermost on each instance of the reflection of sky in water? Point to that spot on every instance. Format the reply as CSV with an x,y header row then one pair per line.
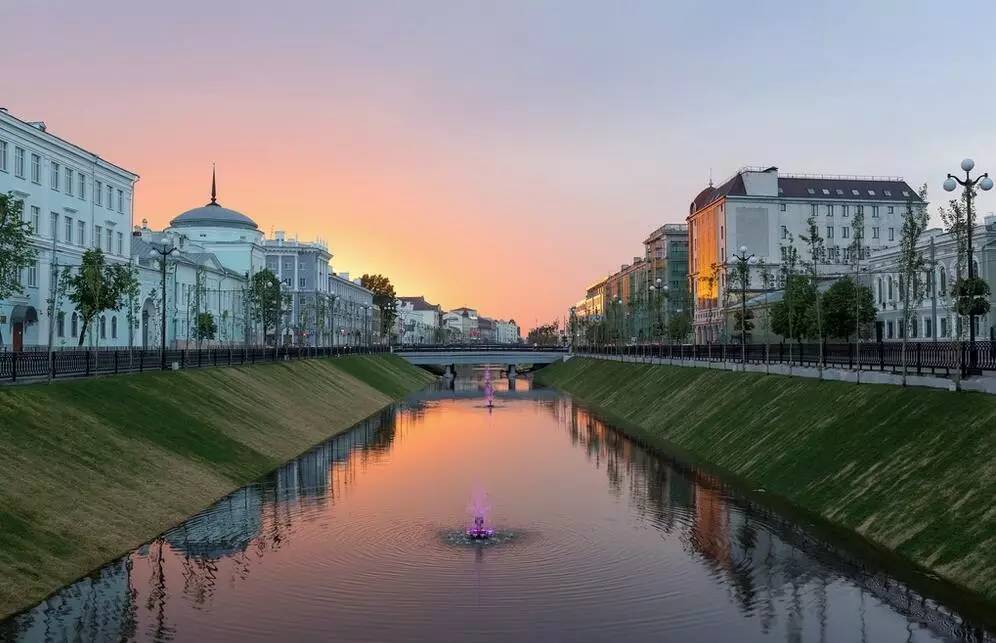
x,y
348,541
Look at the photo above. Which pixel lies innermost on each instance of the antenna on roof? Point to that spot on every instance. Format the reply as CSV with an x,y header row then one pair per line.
x,y
710,177
214,187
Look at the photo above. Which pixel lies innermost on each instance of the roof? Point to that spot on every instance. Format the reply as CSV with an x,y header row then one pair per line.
x,y
711,194
213,215
419,303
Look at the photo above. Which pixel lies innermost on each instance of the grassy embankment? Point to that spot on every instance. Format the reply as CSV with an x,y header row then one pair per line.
x,y
913,470
92,468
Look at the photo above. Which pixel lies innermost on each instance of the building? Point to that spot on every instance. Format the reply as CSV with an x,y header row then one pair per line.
x,y
666,254
768,213
487,331
507,332
462,324
935,316
418,321
74,201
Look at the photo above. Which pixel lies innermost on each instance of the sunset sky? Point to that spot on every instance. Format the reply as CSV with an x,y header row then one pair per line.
x,y
500,155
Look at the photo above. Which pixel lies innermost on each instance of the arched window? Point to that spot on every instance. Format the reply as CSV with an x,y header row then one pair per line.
x,y
103,327
943,278
975,267
880,299
74,325
889,283
114,327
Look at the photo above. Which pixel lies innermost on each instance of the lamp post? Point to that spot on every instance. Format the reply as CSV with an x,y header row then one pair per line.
x,y
743,268
968,183
163,254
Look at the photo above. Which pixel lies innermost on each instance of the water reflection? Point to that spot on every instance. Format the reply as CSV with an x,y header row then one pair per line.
x,y
623,543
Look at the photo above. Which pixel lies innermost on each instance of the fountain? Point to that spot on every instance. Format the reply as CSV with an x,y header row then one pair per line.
x,y
489,390
479,508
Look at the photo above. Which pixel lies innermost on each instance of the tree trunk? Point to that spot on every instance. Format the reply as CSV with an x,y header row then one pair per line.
x,y
86,324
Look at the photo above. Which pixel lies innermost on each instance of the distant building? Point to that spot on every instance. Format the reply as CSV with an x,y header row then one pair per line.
x,y
768,213
418,321
73,200
507,332
667,265
462,324
486,330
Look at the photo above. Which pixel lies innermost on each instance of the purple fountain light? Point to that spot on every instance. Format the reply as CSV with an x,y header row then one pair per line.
x,y
479,507
489,389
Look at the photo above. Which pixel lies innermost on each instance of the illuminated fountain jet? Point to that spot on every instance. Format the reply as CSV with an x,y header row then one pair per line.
x,y
489,390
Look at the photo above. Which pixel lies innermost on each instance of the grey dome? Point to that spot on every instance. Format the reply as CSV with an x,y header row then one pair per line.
x,y
213,215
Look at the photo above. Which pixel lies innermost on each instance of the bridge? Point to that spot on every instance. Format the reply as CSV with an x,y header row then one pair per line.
x,y
509,355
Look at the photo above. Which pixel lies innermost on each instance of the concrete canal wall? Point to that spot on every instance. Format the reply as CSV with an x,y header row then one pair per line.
x,y
92,468
911,469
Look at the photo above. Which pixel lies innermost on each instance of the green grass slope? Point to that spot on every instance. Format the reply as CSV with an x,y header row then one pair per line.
x,y
92,468
911,469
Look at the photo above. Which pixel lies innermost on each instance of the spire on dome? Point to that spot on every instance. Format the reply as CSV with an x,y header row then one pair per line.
x,y
214,187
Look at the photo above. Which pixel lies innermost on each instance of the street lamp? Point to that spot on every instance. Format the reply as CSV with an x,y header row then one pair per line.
x,y
743,267
985,183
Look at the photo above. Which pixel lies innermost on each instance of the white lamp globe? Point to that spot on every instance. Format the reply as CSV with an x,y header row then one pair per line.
x,y
743,250
950,185
967,165
986,184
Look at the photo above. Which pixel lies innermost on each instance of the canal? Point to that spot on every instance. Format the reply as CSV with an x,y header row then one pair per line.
x,y
362,539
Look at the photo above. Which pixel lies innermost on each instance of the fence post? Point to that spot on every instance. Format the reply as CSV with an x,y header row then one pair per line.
x,y
53,364
850,356
183,358
881,356
918,358
115,362
87,355
13,367
141,360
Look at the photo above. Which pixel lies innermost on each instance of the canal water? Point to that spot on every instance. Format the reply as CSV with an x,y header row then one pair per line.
x,y
361,539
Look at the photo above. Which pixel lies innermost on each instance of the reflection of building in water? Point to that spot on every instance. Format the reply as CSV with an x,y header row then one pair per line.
x,y
226,528
774,569
95,608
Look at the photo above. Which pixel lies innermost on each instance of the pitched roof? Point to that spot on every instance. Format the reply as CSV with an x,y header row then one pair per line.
x,y
846,189
419,303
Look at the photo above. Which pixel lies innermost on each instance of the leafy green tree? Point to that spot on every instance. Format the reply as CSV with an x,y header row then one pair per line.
x,y
747,326
384,298
841,303
16,252
204,327
97,287
911,264
793,316
264,302
679,327
817,255
131,290
545,335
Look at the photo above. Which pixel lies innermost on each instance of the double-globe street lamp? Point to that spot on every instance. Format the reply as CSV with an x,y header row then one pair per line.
x,y
968,183
743,270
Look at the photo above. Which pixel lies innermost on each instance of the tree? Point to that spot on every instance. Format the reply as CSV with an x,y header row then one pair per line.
x,y
545,335
911,264
817,255
384,298
131,289
679,327
96,287
264,301
16,252
204,327
793,317
841,302
743,322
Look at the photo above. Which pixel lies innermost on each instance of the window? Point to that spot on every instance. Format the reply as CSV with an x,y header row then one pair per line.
x,y
54,227
845,232
35,219
81,184
69,181
781,207
811,190
120,238
3,156
96,236
840,192
944,327
19,162
60,324
845,210
98,192
943,280
874,211
69,230
855,193
826,192
785,232
114,327
74,325
829,232
81,233
302,282
32,274
888,330
871,192
887,193
812,209
110,199
829,210
928,330
889,283
901,327
103,327
55,175
906,193
880,300
874,233
36,169
892,234
121,201
109,236
859,209
892,210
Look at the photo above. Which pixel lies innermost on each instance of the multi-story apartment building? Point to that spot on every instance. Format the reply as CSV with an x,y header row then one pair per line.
x,y
73,200
768,213
507,332
935,316
462,323
667,263
418,320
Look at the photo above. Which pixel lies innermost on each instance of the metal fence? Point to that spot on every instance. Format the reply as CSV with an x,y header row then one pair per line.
x,y
87,363
937,358
477,348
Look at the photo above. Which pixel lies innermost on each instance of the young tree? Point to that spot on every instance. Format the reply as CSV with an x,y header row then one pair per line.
x,y
955,220
841,303
793,316
911,264
384,297
264,302
204,327
16,252
679,327
131,290
96,287
817,255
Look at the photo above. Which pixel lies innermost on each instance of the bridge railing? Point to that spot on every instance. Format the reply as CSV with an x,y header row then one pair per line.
x,y
935,358
476,348
88,363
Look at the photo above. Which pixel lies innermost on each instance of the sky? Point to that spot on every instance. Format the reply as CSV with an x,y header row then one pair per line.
x,y
497,155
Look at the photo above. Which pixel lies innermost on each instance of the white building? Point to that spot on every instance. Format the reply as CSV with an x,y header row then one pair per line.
x,y
418,321
462,324
935,316
768,213
507,332
74,200
355,318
